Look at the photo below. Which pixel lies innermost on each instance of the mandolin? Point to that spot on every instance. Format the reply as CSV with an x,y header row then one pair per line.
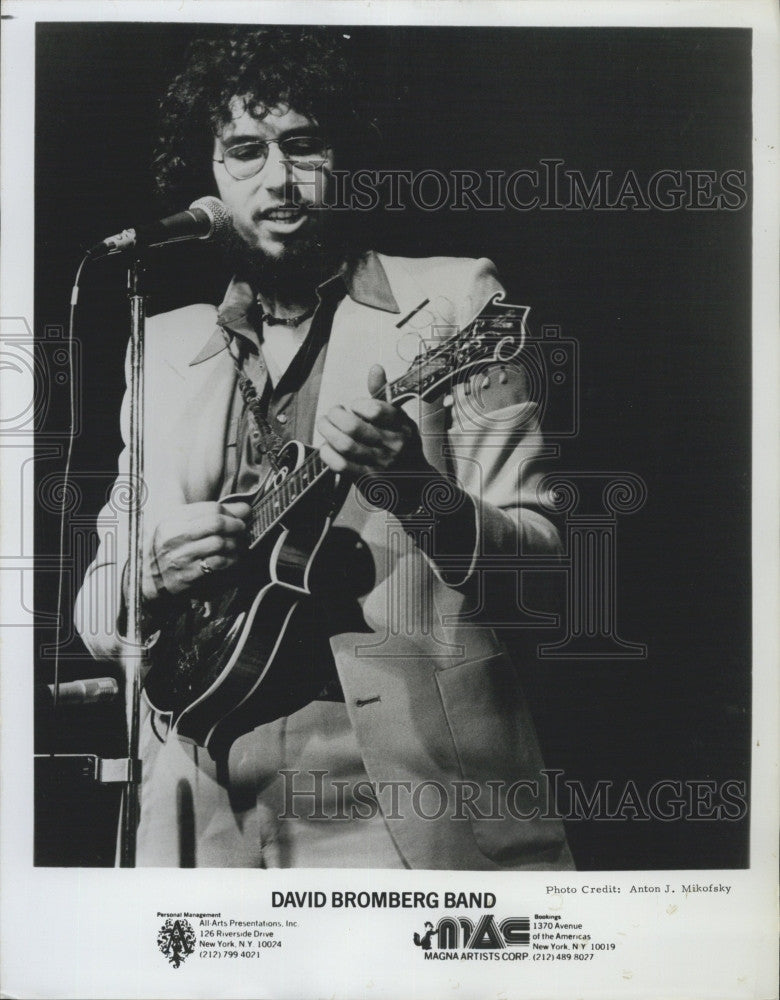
x,y
244,647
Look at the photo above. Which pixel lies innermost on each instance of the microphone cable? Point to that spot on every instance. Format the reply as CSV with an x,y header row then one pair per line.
x,y
74,297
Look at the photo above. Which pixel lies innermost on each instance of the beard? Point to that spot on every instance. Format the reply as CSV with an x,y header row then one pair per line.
x,y
304,264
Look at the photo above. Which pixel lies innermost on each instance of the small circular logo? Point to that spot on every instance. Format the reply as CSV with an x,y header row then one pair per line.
x,y
176,940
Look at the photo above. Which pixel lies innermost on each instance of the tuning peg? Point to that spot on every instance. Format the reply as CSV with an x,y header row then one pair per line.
x,y
503,378
486,382
448,401
467,387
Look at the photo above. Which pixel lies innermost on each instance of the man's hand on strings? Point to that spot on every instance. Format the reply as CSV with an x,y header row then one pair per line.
x,y
377,445
193,541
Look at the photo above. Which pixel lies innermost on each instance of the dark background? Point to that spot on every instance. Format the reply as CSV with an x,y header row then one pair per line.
x,y
659,303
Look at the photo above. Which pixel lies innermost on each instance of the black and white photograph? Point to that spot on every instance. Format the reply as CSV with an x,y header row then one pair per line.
x,y
390,480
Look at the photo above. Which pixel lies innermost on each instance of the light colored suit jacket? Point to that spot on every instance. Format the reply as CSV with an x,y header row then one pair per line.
x,y
431,691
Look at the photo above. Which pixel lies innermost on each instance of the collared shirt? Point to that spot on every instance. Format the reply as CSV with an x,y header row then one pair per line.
x,y
289,403
364,279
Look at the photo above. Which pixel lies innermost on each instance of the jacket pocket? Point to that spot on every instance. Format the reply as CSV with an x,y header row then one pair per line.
x,y
505,789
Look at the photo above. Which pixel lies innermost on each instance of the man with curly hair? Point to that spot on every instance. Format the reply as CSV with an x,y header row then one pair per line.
x,y
417,749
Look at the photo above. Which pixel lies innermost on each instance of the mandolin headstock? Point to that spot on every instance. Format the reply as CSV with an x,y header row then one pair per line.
x,y
496,335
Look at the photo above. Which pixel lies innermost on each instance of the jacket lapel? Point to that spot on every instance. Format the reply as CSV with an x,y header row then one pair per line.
x,y
204,419
362,336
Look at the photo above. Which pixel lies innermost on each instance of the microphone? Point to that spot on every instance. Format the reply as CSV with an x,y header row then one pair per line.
x,y
84,692
203,220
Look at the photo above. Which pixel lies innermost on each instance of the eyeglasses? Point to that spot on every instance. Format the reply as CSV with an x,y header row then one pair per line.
x,y
306,152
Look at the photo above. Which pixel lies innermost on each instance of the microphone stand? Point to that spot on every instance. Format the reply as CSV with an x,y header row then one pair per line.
x,y
132,658
124,771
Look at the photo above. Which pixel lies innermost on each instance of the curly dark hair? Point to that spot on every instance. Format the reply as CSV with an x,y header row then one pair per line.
x,y
307,69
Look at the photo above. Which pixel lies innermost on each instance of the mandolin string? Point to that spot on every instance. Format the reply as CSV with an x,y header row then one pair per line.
x,y
270,507
273,505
